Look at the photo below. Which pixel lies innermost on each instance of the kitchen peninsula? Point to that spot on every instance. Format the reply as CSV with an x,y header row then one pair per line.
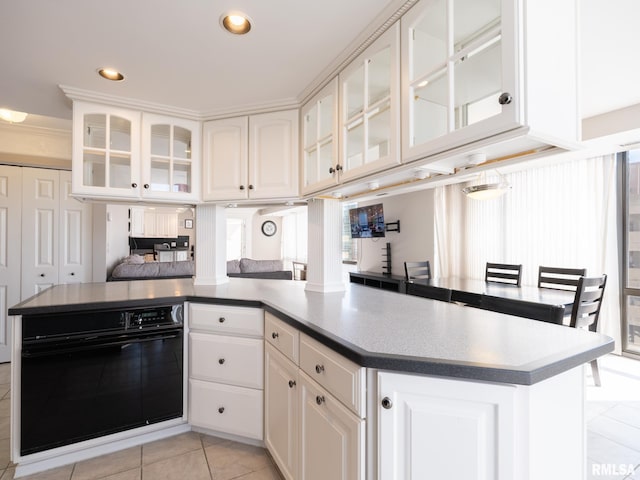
x,y
507,391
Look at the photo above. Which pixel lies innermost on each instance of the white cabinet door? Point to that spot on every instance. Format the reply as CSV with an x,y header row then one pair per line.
x,y
281,407
319,162
40,229
369,108
273,155
225,159
332,439
10,250
75,238
106,151
445,429
170,158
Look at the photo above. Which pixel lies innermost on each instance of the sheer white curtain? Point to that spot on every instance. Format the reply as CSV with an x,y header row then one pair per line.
x,y
561,215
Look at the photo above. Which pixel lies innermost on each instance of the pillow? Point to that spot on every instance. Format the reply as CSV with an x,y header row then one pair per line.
x,y
233,266
254,266
133,260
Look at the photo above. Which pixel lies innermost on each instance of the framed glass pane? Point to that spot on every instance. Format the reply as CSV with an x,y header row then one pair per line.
x,y
379,76
325,116
429,109
95,131
160,135
354,92
311,127
120,171
477,77
182,177
429,40
325,159
472,19
355,145
160,175
93,169
379,133
311,166
120,134
181,143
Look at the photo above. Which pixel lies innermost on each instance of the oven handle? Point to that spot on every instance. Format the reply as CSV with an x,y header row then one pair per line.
x,y
35,351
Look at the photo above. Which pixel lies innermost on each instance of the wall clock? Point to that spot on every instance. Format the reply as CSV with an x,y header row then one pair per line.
x,y
269,228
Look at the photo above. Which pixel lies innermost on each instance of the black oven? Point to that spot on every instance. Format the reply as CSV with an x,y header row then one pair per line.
x,y
89,374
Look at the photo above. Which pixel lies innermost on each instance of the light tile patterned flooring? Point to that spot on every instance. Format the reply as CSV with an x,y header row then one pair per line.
x,y
613,443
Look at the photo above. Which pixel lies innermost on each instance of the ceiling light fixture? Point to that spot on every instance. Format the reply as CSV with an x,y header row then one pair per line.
x,y
236,22
12,116
111,74
487,190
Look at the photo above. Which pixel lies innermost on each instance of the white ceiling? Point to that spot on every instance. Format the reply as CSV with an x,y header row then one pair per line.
x,y
174,53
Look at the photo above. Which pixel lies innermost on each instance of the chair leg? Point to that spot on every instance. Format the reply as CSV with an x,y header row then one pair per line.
x,y
595,372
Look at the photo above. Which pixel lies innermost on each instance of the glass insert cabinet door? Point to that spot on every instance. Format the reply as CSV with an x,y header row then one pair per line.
x,y
105,143
168,156
320,137
453,71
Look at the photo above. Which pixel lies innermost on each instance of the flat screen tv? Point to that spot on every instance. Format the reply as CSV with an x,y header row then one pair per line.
x,y
367,222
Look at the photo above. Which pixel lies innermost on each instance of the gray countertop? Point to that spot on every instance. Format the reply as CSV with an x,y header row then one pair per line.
x,y
374,328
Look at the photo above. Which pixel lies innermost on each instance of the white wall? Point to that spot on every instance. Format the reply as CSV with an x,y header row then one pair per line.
x,y
263,247
415,242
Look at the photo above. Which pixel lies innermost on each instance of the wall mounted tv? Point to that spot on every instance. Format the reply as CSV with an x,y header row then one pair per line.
x,y
367,222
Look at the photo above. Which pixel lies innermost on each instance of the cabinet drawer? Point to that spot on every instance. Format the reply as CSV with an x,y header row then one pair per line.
x,y
342,377
231,360
225,408
226,320
282,336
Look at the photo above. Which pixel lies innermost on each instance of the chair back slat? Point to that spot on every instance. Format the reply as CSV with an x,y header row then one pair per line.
x,y
503,273
417,270
560,278
588,301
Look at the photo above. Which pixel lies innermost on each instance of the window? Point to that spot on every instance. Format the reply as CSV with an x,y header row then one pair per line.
x,y
235,238
631,259
349,245
294,236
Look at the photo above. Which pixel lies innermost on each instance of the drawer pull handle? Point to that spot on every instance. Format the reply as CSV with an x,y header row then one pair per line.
x,y
292,383
221,361
221,410
221,319
319,369
387,403
275,335
319,399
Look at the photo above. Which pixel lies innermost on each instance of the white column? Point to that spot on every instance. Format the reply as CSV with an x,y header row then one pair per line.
x,y
324,264
211,245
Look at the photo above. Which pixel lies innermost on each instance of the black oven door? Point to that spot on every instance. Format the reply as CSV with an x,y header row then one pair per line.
x,y
94,387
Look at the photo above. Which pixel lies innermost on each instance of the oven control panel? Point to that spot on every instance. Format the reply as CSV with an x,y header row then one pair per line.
x,y
155,317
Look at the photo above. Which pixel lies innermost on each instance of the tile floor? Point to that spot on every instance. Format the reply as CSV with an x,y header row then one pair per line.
x,y
613,442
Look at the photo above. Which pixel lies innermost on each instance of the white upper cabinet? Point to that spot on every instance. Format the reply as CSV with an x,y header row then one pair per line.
x,y
170,158
120,153
106,151
253,157
473,69
320,140
369,109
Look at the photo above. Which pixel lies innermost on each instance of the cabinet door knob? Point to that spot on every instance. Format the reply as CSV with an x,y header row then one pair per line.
x,y
505,98
338,167
221,319
319,369
319,399
250,187
292,383
241,187
387,403
221,410
331,170
275,335
134,185
72,274
221,361
146,185
42,274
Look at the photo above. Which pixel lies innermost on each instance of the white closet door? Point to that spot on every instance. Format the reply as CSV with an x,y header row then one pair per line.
x,y
10,247
40,210
75,235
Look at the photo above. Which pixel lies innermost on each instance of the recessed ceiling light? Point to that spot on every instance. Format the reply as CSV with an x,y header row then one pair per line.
x,y
236,22
12,116
111,74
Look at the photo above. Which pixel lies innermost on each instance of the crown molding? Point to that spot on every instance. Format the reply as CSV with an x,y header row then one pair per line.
x,y
267,107
32,130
